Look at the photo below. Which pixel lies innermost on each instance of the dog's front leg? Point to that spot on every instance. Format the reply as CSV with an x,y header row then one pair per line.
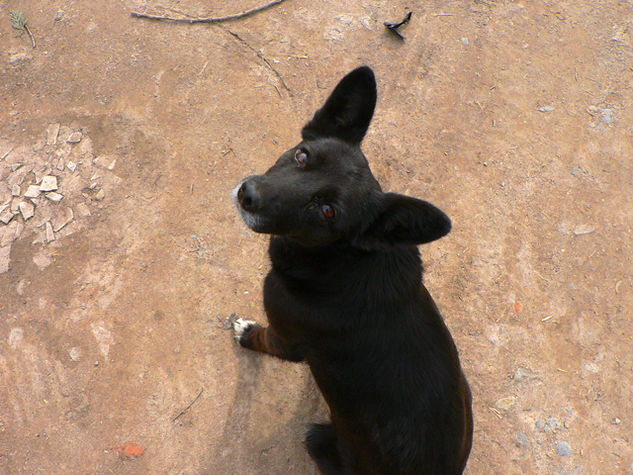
x,y
253,336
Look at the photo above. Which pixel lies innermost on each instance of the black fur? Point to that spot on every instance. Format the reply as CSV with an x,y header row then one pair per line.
x,y
345,294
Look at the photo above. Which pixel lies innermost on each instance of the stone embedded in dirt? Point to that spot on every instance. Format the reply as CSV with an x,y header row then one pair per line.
x,y
33,191
74,353
608,116
5,149
51,134
100,195
61,219
18,58
546,109
85,148
83,210
75,137
27,210
72,166
15,205
15,190
5,251
8,234
18,175
523,440
6,215
583,229
20,287
41,260
50,236
54,197
505,403
60,164
563,448
105,161
18,230
49,183
524,374
551,425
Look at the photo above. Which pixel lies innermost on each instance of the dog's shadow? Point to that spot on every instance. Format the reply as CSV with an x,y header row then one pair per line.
x,y
275,445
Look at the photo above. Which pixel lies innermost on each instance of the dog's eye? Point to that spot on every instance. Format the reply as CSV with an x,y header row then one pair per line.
x,y
327,211
301,157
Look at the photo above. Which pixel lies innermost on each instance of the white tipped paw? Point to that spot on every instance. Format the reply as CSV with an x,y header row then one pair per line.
x,y
239,327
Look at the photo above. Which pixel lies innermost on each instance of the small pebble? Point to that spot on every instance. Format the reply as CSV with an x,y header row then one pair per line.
x,y
523,374
523,440
60,164
74,353
505,403
100,195
72,166
616,421
17,58
465,41
54,197
551,425
51,134
49,183
50,236
608,116
59,15
563,449
75,137
4,258
15,190
545,109
6,216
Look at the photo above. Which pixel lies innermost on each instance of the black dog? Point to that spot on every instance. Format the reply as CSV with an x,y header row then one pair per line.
x,y
345,294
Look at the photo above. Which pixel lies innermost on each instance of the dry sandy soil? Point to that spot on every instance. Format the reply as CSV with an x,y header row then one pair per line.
x,y
514,117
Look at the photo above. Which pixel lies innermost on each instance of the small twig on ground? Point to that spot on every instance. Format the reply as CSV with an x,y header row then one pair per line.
x,y
219,19
7,153
184,411
260,56
393,27
227,323
30,34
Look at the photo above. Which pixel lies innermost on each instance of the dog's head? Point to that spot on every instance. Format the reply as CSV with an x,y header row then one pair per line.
x,y
322,190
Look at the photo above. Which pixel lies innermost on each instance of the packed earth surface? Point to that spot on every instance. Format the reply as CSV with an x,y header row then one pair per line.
x,y
123,261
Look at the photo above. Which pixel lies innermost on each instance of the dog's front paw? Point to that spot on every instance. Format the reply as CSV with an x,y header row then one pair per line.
x,y
242,328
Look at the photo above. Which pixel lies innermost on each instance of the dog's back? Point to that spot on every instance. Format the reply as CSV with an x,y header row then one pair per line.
x,y
345,294
380,353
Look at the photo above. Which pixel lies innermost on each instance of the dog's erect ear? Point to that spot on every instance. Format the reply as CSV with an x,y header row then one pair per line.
x,y
403,220
348,111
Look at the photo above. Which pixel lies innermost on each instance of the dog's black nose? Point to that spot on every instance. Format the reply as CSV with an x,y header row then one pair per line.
x,y
248,197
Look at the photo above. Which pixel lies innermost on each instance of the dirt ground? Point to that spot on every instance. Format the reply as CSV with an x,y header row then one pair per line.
x,y
513,117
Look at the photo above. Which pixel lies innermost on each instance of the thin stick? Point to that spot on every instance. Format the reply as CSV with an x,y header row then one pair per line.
x,y
188,407
7,154
30,34
219,19
262,57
